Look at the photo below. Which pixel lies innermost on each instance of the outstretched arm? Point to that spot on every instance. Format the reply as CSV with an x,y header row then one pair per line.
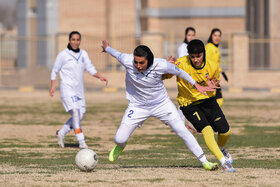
x,y
124,58
99,76
172,69
202,89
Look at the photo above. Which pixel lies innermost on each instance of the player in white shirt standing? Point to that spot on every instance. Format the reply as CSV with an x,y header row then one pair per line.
x,y
189,36
148,97
71,64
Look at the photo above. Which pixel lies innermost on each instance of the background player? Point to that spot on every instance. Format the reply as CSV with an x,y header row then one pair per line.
x,y
213,55
148,97
189,36
71,64
201,110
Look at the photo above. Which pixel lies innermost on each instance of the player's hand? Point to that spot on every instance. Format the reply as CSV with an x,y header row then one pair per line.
x,y
51,91
203,89
104,79
213,83
105,44
171,59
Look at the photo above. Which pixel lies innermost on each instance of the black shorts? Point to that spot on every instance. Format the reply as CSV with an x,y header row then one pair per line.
x,y
206,112
219,93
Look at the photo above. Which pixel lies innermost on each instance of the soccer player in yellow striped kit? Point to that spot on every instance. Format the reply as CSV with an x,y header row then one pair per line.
x,y
201,110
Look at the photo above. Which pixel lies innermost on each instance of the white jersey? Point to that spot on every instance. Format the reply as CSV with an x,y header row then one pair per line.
x,y
182,50
145,88
71,67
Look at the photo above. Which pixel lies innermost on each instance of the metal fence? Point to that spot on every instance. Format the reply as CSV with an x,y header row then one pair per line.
x,y
263,53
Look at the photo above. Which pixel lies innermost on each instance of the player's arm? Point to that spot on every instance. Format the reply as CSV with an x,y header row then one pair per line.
x,y
52,89
99,76
91,69
214,81
172,69
56,68
121,57
224,74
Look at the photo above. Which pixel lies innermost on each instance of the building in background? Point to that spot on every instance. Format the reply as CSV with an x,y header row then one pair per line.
x,y
43,27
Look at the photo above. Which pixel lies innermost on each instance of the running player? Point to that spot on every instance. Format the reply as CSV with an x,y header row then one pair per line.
x,y
201,110
189,36
214,55
71,64
148,97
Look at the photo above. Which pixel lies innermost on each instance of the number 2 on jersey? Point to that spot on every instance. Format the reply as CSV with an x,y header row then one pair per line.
x,y
130,113
196,114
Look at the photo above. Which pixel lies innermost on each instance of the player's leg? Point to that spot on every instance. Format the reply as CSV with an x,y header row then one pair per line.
x,y
60,134
197,116
168,114
218,124
132,118
75,113
67,127
221,126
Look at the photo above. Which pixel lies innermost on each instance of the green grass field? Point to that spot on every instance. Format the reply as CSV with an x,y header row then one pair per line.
x,y
29,154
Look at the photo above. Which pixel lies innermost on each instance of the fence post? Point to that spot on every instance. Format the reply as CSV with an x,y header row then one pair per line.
x,y
240,60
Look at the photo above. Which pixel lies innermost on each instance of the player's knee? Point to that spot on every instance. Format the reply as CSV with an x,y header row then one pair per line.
x,y
120,140
82,115
78,131
224,129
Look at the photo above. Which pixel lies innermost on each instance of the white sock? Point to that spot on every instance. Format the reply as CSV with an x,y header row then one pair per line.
x,y
223,160
66,128
80,137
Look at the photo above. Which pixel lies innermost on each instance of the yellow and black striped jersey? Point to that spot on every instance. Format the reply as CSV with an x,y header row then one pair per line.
x,y
187,93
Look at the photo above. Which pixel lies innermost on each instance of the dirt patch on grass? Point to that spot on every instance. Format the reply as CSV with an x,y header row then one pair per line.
x,y
140,177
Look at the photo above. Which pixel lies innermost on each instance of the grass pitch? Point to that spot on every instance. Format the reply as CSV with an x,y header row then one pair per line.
x,y
154,155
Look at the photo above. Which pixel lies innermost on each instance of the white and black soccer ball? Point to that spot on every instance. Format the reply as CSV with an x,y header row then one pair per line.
x,y
86,159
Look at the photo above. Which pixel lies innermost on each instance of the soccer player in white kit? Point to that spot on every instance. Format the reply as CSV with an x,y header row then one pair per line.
x,y
148,97
71,64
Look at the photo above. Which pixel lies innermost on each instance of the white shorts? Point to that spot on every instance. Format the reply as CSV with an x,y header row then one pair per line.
x,y
74,102
135,115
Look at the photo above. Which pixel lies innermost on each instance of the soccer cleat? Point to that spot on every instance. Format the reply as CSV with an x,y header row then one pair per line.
x,y
60,139
209,166
227,156
115,153
83,145
228,167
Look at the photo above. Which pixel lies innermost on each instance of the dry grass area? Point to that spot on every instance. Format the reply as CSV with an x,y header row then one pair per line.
x,y
103,130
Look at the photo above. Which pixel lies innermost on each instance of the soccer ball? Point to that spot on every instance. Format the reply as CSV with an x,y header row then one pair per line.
x,y
86,159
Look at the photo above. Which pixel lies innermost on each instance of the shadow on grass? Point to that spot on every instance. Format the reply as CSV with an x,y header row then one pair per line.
x,y
67,145
170,166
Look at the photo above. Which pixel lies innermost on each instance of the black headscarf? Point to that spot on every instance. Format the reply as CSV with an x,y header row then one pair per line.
x,y
70,36
196,46
144,51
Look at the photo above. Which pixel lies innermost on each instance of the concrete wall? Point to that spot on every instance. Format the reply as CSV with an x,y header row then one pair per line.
x,y
239,74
